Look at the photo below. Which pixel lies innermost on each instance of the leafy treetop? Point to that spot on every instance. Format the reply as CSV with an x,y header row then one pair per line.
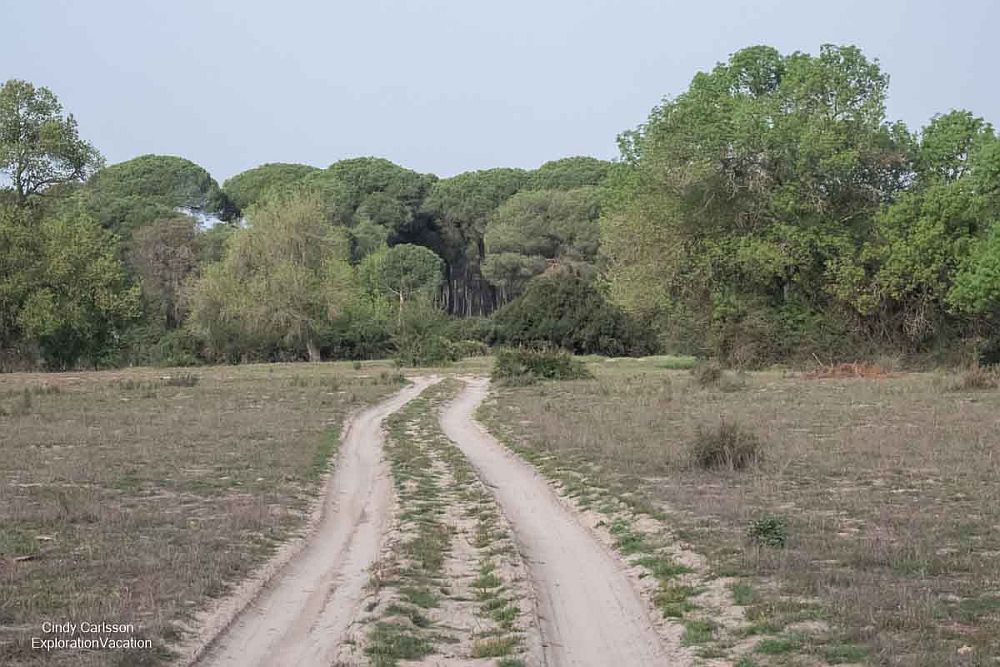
x,y
40,146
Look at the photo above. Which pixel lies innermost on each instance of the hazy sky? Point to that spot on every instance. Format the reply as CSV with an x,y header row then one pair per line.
x,y
448,85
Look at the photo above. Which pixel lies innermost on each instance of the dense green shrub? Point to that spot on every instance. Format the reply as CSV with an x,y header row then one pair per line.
x,y
363,331
470,348
419,336
726,446
522,366
567,311
989,352
768,531
149,344
470,328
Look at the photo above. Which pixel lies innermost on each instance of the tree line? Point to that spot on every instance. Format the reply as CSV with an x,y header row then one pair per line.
x,y
770,211
773,211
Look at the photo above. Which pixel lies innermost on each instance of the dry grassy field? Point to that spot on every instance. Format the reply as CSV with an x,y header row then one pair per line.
x,y
136,496
884,490
140,496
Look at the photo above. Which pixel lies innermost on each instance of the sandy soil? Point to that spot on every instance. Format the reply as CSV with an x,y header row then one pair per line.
x,y
303,613
590,613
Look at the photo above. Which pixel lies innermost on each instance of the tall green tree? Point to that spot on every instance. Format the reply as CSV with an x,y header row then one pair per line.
x,y
40,145
461,207
901,283
741,192
251,186
375,200
76,301
402,273
569,173
371,193
536,229
19,253
164,254
127,195
283,281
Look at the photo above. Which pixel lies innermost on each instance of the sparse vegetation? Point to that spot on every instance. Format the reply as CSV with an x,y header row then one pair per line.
x,y
977,378
881,488
140,495
429,576
707,373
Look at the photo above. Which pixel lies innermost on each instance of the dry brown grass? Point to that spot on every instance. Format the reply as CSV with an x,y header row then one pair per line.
x,y
857,369
977,378
889,490
128,497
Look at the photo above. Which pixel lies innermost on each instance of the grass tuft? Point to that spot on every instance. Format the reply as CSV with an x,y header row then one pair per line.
x,y
727,446
977,378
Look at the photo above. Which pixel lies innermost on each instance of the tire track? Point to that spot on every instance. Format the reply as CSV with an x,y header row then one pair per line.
x,y
590,613
301,616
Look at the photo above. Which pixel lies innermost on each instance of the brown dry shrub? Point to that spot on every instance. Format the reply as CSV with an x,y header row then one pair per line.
x,y
856,369
726,446
977,378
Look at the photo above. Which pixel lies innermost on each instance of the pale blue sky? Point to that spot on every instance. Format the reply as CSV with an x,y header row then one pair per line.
x,y
448,85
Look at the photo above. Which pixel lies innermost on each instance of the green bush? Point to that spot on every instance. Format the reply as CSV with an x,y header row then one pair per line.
x,y
726,446
522,366
769,531
419,336
673,362
989,352
470,348
470,328
562,310
149,344
362,331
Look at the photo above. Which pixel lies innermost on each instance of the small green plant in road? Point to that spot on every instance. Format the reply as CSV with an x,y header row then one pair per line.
x,y
698,632
448,522
493,647
778,645
391,642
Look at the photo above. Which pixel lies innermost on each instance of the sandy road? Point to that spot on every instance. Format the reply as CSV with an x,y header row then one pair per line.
x,y
590,613
302,615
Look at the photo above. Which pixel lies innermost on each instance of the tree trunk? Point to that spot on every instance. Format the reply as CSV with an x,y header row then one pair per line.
x,y
313,349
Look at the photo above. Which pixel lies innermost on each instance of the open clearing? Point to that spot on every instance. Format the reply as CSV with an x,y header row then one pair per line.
x,y
140,496
887,487
154,497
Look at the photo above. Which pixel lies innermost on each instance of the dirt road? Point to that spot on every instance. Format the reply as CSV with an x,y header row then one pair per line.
x,y
590,613
302,615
